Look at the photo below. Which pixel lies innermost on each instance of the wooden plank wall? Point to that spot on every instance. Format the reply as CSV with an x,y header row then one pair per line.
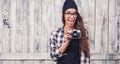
x,y
25,27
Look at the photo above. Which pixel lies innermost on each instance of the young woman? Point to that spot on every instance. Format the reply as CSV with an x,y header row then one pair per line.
x,y
63,48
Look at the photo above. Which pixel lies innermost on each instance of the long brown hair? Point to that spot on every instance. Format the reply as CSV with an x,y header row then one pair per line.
x,y
79,24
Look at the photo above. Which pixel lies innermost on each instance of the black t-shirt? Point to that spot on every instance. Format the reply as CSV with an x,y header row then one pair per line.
x,y
72,53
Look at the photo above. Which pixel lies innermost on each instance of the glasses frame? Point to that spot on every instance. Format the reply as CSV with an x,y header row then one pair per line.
x,y
69,14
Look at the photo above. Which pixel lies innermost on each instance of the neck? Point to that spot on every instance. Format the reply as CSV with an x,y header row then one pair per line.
x,y
68,27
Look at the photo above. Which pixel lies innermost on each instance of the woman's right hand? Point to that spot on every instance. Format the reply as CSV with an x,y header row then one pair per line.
x,y
67,37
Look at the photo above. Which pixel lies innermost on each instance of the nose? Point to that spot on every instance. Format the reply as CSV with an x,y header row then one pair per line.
x,y
71,17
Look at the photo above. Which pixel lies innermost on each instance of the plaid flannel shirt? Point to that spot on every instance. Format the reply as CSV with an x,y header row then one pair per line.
x,y
56,40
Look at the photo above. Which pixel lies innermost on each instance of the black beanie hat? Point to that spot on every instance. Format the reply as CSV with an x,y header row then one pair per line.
x,y
69,4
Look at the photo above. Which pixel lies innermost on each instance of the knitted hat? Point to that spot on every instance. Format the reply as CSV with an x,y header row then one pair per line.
x,y
69,4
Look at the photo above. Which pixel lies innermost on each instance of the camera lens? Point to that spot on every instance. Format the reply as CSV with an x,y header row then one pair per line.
x,y
74,34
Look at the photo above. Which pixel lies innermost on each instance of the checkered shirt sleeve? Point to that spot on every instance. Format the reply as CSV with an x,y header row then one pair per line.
x,y
84,60
55,41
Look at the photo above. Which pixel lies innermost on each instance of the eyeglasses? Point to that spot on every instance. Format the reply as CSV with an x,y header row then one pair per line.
x,y
71,14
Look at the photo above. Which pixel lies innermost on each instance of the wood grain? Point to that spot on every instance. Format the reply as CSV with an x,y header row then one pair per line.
x,y
25,27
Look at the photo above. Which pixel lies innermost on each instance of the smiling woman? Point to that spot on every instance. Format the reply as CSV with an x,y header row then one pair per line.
x,y
70,17
63,47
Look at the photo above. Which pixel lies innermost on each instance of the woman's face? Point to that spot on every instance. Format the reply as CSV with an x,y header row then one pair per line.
x,y
70,17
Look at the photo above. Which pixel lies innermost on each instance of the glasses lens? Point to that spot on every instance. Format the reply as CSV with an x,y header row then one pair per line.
x,y
71,14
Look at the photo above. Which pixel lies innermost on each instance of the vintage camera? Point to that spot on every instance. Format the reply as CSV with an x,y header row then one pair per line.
x,y
76,34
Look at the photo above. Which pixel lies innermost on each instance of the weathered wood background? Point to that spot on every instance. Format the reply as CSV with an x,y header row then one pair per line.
x,y
25,27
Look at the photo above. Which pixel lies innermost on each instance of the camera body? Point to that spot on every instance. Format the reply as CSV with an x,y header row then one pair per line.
x,y
76,34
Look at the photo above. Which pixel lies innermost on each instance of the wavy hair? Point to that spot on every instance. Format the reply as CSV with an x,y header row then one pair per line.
x,y
79,24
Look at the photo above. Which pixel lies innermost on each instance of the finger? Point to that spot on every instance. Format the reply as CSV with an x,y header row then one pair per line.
x,y
68,36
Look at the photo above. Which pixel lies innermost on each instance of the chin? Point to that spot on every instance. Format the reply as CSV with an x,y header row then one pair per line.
x,y
71,25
